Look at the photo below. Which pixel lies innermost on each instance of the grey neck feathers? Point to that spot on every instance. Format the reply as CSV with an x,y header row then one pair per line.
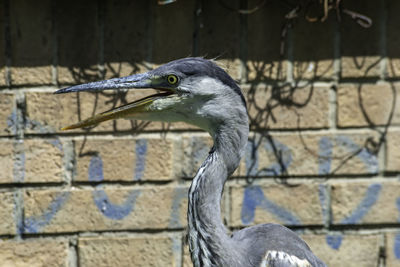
x,y
208,240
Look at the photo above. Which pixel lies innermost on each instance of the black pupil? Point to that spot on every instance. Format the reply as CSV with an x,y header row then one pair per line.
x,y
171,79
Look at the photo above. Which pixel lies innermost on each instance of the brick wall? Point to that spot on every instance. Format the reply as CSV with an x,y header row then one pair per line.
x,y
323,156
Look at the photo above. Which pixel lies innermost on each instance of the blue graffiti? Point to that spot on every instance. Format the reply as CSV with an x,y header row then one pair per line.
x,y
141,151
334,241
370,160
96,169
370,198
33,224
253,197
19,162
396,247
398,207
114,211
12,122
276,168
180,193
324,156
323,199
56,143
100,198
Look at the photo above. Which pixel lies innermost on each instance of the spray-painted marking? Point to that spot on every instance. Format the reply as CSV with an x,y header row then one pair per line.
x,y
254,197
370,198
180,194
323,195
334,241
276,168
100,197
370,160
33,224
56,143
114,211
141,152
12,122
396,245
19,161
95,170
324,156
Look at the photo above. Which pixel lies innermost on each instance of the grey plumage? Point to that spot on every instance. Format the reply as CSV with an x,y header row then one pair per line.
x,y
199,92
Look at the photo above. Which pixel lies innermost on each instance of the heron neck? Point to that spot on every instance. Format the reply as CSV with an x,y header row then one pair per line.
x,y
208,238
207,233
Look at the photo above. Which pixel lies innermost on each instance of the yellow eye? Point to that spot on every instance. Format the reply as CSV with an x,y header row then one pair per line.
x,y
172,79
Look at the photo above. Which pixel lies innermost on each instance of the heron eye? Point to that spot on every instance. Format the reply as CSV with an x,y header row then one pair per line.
x,y
172,79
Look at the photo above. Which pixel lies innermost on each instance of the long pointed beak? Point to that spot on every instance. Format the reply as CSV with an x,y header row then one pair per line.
x,y
134,81
131,110
126,111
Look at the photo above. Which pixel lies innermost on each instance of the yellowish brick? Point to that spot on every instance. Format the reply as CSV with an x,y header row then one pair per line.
x,y
43,160
310,154
360,66
7,114
99,210
298,205
38,75
7,213
187,262
346,250
365,202
307,107
368,105
129,251
6,161
124,160
38,253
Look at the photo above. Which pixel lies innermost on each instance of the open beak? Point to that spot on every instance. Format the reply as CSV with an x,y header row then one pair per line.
x,y
129,110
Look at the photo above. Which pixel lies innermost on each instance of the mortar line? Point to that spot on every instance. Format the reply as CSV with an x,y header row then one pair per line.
x,y
186,181
19,138
73,252
382,251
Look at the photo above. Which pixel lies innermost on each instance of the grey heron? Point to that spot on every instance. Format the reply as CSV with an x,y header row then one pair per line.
x,y
197,91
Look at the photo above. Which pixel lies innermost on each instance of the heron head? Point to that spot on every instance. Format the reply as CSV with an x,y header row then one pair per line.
x,y
193,90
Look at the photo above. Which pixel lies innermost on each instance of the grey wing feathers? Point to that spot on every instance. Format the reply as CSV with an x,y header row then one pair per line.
x,y
275,246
